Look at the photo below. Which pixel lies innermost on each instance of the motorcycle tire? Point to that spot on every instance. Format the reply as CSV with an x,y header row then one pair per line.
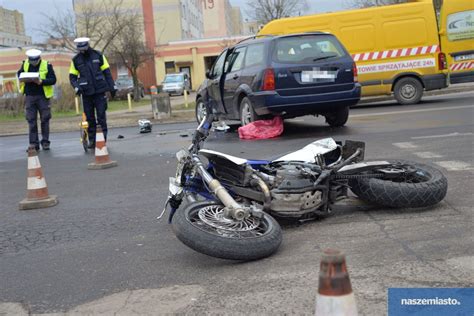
x,y
428,188
242,245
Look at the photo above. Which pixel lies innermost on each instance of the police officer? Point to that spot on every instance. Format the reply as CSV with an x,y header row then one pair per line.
x,y
90,77
38,94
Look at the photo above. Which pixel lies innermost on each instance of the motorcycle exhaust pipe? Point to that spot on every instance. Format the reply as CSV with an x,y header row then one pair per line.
x,y
235,210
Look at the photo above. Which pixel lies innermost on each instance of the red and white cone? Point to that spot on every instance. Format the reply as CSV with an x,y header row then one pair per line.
x,y
102,159
335,296
37,195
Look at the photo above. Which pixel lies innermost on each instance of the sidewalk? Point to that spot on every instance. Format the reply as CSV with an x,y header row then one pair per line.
x,y
124,118
121,118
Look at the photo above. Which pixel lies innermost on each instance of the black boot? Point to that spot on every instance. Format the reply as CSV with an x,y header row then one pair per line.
x,y
45,145
33,146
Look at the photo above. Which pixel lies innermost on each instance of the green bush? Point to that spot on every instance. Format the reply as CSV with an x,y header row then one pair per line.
x,y
64,98
13,106
63,101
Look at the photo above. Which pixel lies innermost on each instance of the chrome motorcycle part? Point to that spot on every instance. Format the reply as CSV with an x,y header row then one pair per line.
x,y
213,215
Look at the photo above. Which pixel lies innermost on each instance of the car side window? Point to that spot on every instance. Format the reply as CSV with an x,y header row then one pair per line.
x,y
236,59
218,67
255,55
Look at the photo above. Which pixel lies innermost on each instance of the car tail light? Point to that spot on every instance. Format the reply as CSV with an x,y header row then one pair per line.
x,y
442,64
269,80
354,71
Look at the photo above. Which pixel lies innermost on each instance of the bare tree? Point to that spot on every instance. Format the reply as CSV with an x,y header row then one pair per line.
x,y
130,49
372,3
264,11
113,28
102,21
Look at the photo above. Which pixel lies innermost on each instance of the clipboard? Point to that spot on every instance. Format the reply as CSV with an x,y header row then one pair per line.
x,y
29,77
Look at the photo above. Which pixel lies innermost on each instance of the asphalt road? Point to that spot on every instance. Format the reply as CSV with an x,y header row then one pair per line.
x,y
101,250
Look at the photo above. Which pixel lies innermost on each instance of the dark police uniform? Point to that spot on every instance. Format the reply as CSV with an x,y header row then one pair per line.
x,y
90,76
36,101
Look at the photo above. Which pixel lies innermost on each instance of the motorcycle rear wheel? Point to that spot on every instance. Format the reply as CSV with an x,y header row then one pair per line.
x,y
201,227
426,187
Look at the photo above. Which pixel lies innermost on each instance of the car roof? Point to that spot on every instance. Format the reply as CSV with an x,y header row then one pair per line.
x,y
269,37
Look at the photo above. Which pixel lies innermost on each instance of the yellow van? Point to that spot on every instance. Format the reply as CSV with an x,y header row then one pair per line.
x,y
397,48
457,38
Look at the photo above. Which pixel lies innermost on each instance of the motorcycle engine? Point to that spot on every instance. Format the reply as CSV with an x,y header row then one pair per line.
x,y
293,194
292,177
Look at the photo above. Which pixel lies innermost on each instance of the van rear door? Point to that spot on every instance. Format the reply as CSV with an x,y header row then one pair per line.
x,y
457,38
311,64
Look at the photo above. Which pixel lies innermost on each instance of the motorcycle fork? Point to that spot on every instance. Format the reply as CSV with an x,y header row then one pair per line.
x,y
324,188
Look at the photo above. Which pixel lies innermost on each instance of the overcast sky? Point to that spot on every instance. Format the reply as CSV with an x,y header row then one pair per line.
x,y
32,9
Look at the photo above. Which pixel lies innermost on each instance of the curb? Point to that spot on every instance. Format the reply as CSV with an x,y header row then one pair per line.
x,y
135,115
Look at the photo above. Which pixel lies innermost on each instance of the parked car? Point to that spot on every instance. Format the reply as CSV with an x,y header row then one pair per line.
x,y
176,83
290,75
125,86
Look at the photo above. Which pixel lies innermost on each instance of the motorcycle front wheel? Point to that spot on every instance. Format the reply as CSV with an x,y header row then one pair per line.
x,y
202,227
418,185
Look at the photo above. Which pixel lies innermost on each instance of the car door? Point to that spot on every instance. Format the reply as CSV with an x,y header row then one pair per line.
x,y
214,88
235,64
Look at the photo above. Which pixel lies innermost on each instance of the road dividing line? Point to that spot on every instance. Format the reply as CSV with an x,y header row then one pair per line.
x,y
454,165
427,155
406,145
450,108
442,136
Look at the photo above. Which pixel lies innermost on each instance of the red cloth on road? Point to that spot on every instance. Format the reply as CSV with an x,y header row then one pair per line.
x,y
262,129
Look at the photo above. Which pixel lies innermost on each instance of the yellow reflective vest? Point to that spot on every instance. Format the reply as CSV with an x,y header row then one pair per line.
x,y
43,72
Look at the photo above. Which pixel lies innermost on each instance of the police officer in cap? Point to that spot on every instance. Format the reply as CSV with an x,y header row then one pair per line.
x,y
38,94
90,77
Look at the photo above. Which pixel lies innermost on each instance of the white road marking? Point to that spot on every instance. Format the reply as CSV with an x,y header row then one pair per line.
x,y
453,165
450,108
427,155
406,145
443,135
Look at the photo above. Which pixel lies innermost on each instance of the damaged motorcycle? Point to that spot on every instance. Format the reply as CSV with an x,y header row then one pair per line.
x,y
230,203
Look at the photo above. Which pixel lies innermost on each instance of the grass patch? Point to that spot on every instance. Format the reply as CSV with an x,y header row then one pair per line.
x,y
191,106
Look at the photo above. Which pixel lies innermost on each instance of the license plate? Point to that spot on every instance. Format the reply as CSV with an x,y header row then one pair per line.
x,y
317,75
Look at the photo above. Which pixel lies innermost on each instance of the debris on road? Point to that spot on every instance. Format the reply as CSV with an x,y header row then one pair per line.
x,y
262,129
144,126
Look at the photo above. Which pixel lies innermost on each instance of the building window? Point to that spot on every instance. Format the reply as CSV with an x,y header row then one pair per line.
x,y
170,67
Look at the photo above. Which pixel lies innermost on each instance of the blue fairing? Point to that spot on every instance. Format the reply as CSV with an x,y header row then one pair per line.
x,y
258,163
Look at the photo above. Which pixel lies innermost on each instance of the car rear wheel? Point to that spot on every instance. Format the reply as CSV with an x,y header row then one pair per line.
x,y
247,112
408,90
338,118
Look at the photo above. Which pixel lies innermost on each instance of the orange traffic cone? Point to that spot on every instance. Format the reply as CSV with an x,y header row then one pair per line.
x,y
102,159
37,195
335,296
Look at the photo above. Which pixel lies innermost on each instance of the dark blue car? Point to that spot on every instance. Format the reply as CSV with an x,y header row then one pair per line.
x,y
291,75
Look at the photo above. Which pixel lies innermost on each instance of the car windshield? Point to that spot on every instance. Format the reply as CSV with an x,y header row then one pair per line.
x,y
307,49
173,78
